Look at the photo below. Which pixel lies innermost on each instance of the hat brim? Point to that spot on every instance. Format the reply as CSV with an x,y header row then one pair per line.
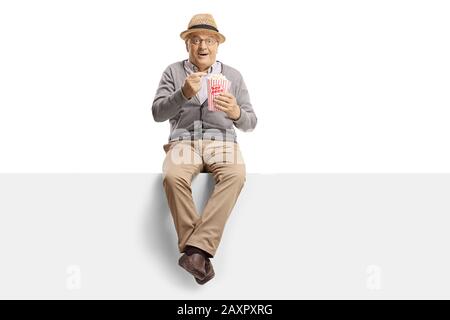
x,y
186,33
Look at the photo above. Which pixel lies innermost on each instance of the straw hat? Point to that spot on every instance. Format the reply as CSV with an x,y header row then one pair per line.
x,y
202,22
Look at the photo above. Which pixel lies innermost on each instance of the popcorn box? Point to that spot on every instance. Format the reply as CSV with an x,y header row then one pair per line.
x,y
217,83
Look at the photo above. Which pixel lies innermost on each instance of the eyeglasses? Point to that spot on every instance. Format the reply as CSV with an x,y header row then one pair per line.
x,y
209,41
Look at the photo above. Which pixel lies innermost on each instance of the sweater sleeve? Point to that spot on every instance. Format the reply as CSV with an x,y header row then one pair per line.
x,y
168,101
247,120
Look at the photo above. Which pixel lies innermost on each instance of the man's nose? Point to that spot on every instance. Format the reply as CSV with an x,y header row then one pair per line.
x,y
203,44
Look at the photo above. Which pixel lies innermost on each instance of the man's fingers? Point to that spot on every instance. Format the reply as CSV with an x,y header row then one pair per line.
x,y
194,80
221,105
222,98
227,97
197,74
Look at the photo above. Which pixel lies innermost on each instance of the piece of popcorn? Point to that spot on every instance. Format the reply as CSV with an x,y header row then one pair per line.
x,y
217,76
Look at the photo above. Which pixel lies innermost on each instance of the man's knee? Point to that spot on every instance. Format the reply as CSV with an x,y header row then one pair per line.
x,y
237,175
175,178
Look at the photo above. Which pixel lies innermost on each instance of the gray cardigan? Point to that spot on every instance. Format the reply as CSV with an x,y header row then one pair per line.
x,y
191,120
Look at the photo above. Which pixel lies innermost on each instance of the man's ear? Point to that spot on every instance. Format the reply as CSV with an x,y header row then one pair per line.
x,y
187,48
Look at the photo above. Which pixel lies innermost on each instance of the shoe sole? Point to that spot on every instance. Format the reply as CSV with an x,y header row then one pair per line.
x,y
205,280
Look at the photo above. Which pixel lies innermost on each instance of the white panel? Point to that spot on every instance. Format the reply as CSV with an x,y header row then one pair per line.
x,y
289,236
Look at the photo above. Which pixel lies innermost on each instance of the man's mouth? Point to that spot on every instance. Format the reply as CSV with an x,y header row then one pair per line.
x,y
203,54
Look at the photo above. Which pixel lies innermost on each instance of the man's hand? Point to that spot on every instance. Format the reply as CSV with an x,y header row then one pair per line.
x,y
192,84
227,103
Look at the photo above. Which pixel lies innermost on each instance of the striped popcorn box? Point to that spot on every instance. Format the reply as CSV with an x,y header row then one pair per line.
x,y
217,83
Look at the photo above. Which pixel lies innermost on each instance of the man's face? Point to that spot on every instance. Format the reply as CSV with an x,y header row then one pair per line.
x,y
202,48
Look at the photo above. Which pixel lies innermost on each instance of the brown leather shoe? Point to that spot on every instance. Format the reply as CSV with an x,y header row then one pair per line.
x,y
209,273
195,264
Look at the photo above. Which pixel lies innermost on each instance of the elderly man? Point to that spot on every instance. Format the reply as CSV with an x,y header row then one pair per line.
x,y
202,140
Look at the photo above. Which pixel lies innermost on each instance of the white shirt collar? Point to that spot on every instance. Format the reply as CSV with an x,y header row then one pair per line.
x,y
191,68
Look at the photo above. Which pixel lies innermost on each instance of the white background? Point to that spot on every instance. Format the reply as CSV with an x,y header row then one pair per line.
x,y
338,86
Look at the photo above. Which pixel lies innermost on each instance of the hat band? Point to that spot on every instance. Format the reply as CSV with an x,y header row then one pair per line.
x,y
203,26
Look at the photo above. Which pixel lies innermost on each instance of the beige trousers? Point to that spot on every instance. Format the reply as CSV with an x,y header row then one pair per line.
x,y
184,160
